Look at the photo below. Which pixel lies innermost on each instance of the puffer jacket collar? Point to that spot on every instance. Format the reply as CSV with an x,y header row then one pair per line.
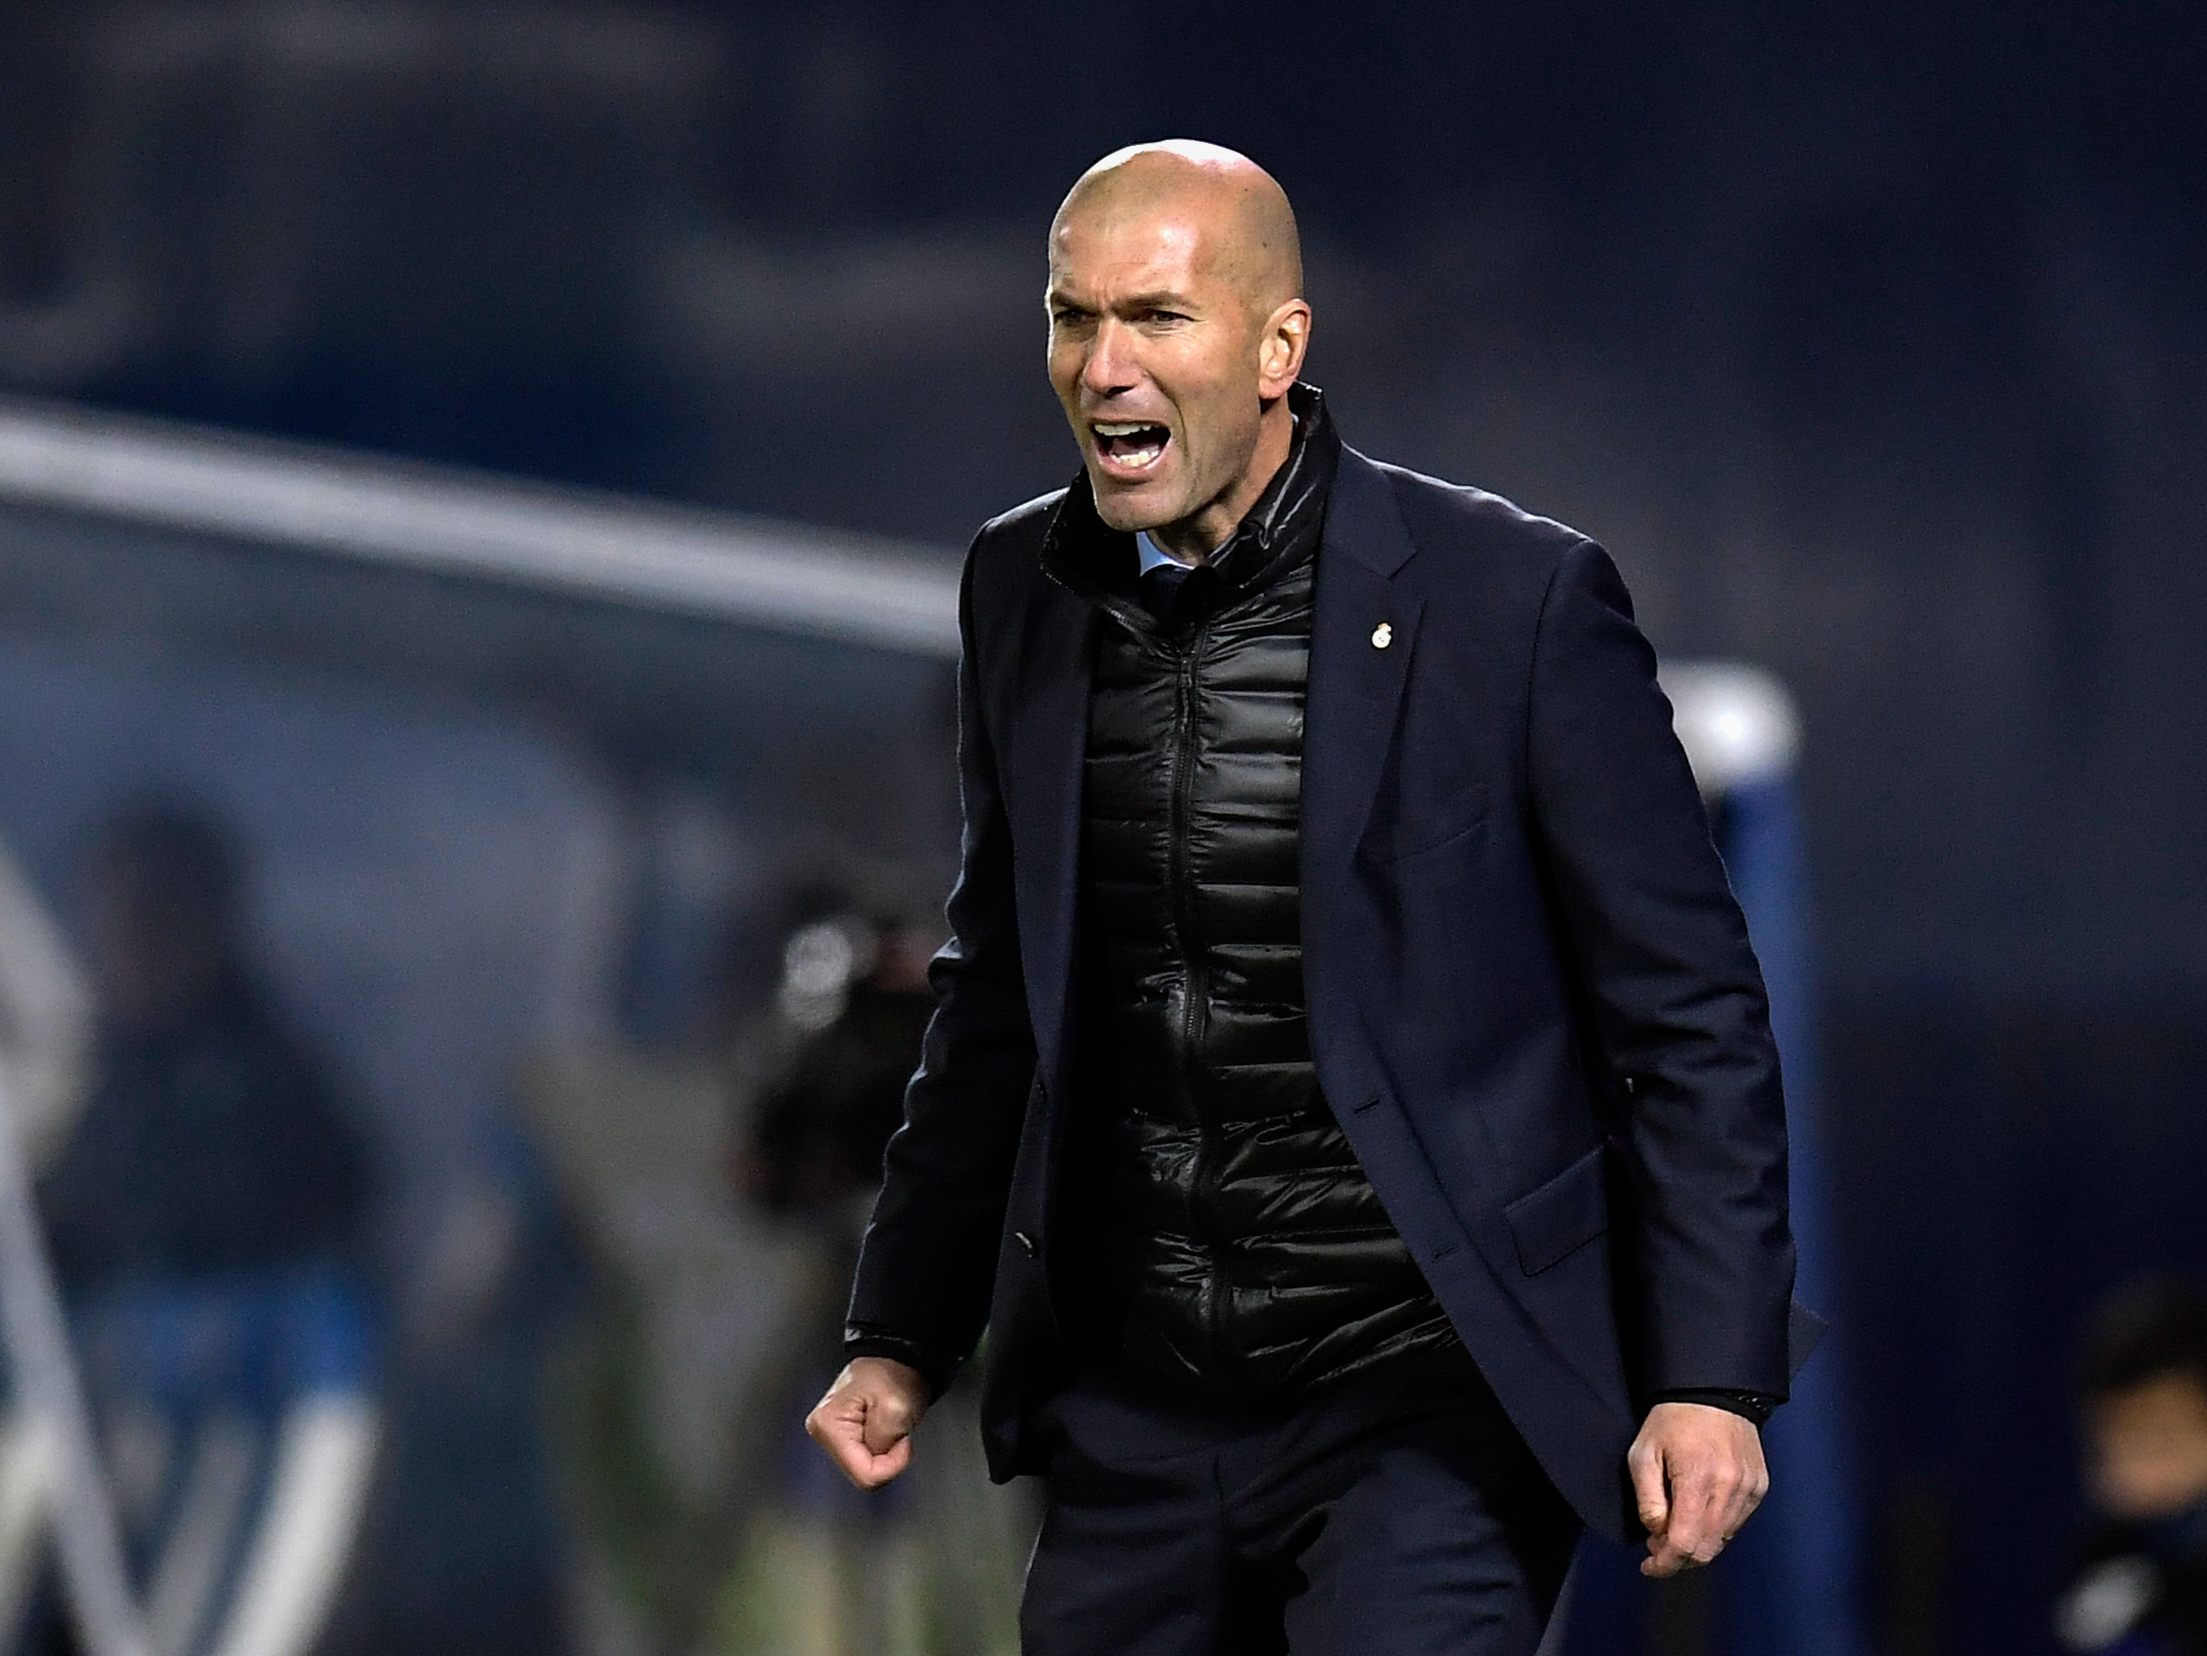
x,y
1088,557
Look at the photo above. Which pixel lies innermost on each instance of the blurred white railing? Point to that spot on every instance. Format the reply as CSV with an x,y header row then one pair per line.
x,y
322,501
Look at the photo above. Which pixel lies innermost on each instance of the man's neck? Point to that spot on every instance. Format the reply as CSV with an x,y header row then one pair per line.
x,y
1193,539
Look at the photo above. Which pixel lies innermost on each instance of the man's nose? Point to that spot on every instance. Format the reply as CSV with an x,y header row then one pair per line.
x,y
1110,367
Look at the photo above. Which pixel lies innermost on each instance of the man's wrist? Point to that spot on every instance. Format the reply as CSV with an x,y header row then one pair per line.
x,y
1754,1406
862,1340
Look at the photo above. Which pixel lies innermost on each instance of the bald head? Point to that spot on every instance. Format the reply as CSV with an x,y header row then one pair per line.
x,y
1235,210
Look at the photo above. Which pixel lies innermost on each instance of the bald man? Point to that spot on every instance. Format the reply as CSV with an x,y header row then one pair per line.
x,y
1350,1106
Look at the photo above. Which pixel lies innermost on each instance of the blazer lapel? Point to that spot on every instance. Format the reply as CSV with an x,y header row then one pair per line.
x,y
1364,634
1047,716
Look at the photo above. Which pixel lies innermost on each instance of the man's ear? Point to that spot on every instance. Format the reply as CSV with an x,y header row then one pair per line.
x,y
1280,348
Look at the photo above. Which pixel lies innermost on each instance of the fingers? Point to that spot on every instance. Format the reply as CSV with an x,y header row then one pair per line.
x,y
1698,1529
839,1425
1650,1483
888,1422
1713,1476
865,1422
868,1470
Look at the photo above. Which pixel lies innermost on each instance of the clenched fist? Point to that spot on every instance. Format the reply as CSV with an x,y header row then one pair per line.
x,y
865,1422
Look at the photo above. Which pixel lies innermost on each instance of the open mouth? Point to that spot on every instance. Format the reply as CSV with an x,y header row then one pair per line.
x,y
1130,445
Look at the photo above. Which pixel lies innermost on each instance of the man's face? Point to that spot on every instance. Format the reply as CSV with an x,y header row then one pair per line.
x,y
2149,1448
1156,359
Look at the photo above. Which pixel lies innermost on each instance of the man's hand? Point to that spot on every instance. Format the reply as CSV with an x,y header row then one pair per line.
x,y
1698,1472
865,1422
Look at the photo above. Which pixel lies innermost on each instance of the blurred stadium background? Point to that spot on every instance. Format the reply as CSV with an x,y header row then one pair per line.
x,y
499,467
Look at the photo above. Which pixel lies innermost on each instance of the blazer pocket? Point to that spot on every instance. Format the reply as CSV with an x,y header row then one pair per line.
x,y
1560,1217
1398,843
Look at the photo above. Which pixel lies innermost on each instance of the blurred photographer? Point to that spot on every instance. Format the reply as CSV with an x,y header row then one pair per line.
x,y
206,1216
856,996
2140,1586
213,1141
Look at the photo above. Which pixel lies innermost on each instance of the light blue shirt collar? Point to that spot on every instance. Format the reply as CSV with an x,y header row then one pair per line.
x,y
1153,555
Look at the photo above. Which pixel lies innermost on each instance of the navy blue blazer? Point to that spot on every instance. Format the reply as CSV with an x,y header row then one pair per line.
x,y
1531,998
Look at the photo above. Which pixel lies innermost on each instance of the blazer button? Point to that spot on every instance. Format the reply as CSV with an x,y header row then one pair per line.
x,y
1026,1243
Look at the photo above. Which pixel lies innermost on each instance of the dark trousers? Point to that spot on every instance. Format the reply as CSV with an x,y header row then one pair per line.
x,y
1395,1514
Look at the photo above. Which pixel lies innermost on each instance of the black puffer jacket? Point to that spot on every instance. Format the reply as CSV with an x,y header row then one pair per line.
x,y
1226,1242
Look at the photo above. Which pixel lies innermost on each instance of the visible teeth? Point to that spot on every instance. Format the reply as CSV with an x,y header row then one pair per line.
x,y
1122,428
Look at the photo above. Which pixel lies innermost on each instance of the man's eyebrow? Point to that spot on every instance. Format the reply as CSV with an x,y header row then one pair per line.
x,y
1162,299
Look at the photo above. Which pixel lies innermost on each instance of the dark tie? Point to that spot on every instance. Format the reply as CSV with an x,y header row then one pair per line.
x,y
1161,584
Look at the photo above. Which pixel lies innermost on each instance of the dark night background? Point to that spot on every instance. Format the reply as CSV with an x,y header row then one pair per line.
x,y
1871,338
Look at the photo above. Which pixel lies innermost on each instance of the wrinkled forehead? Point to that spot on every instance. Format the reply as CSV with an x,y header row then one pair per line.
x,y
1140,246
1088,247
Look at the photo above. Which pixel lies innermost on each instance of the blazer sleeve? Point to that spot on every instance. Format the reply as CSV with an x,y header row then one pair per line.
x,y
927,1264
1675,996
